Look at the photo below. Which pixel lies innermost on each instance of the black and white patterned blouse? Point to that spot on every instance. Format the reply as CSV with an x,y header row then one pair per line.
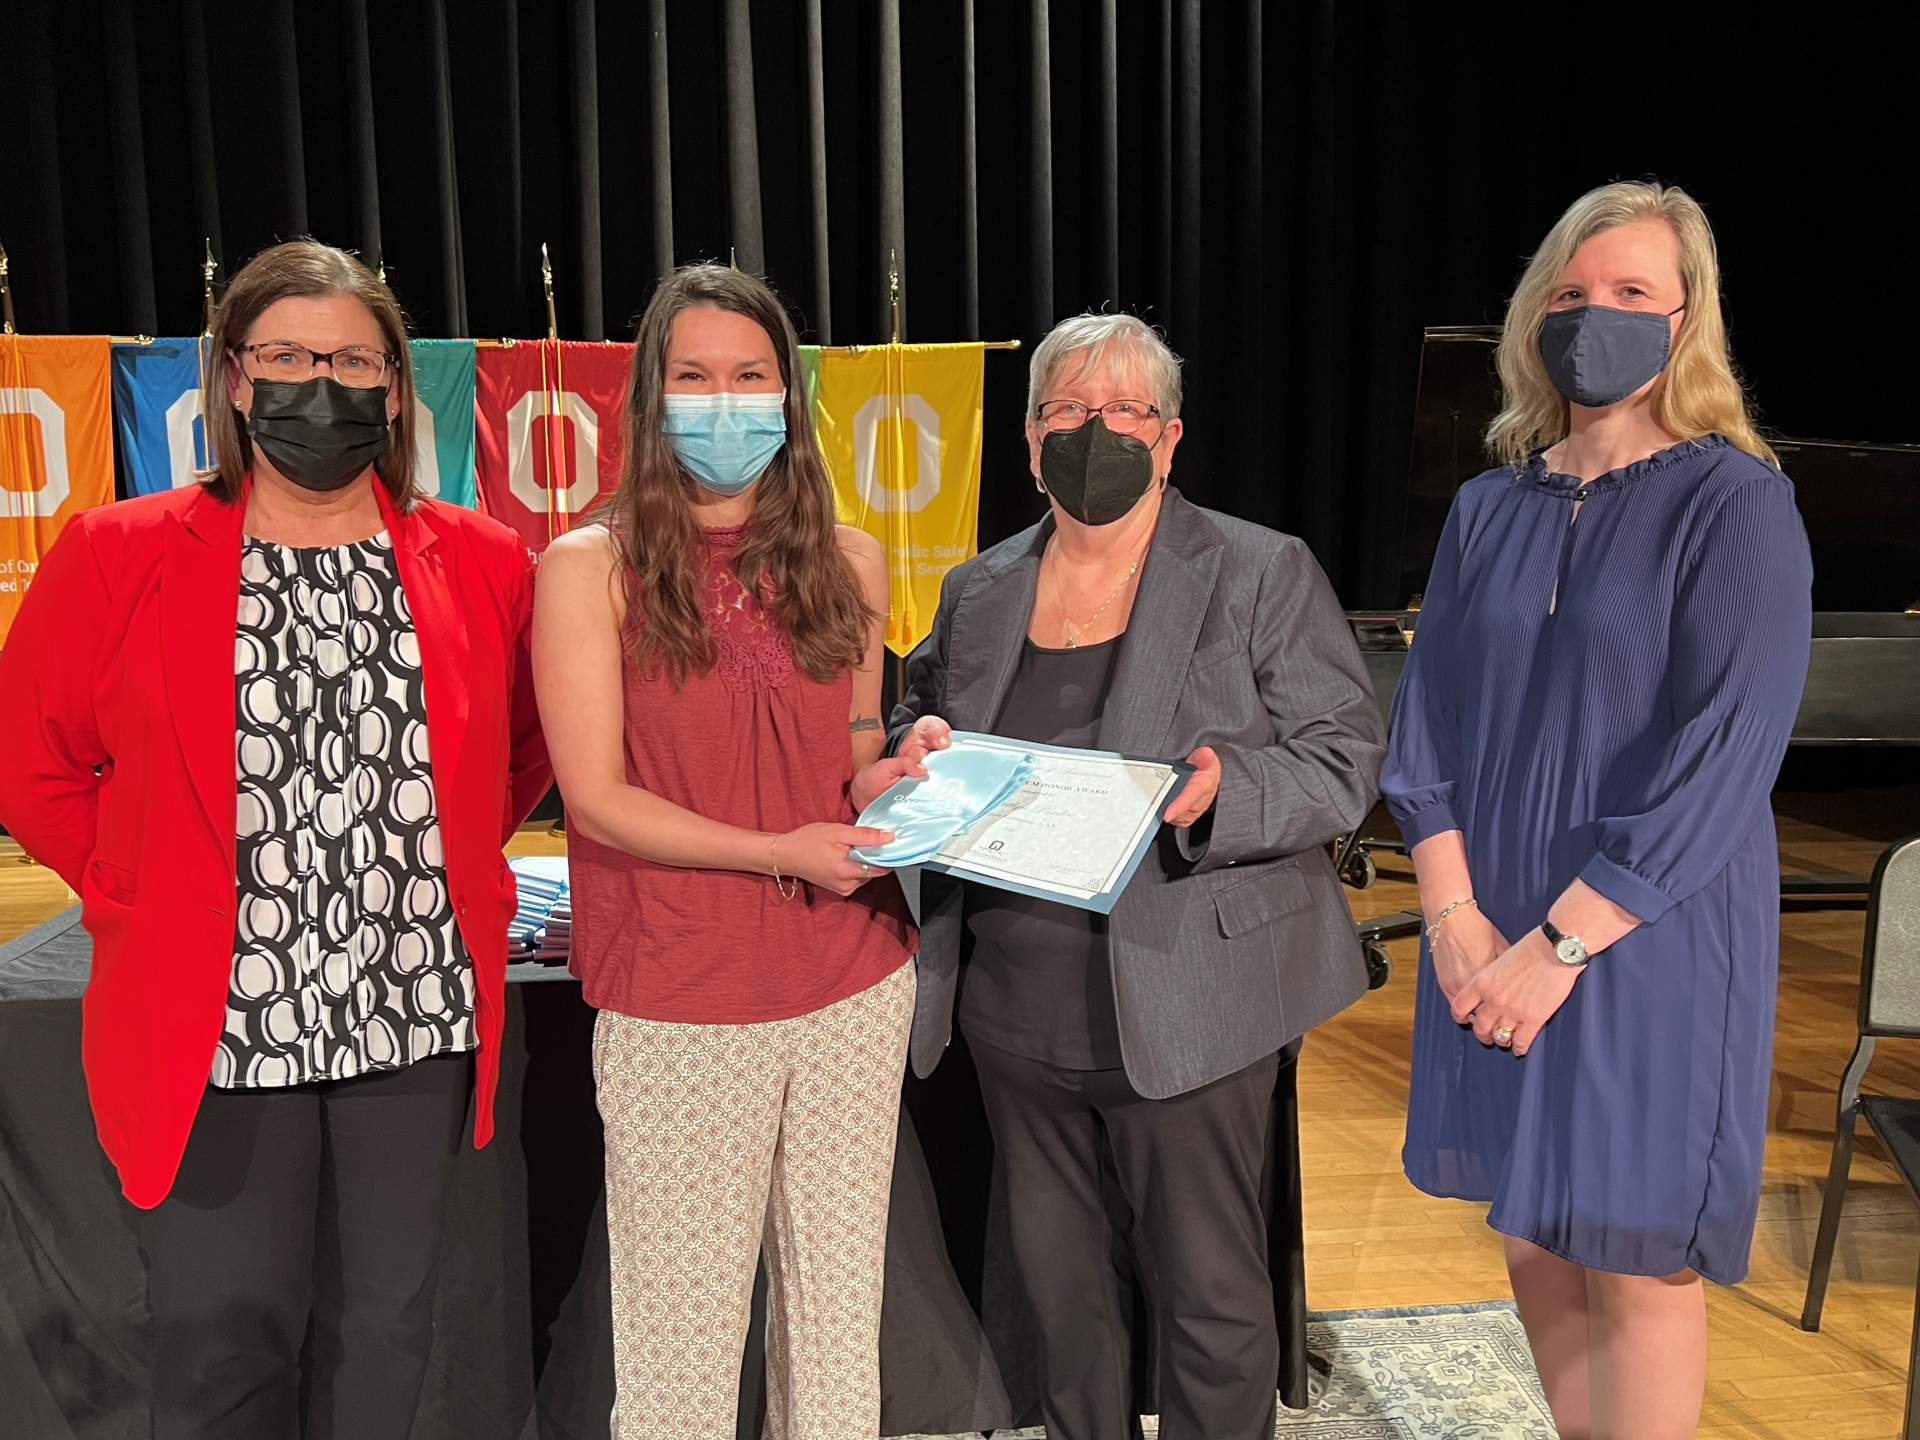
x,y
347,957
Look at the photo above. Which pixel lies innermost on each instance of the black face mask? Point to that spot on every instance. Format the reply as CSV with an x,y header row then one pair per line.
x,y
1096,475
319,433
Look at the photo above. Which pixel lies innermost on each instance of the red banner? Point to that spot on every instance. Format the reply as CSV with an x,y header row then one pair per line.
x,y
547,431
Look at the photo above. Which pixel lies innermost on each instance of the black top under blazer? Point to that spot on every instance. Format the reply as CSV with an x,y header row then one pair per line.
x,y
1233,938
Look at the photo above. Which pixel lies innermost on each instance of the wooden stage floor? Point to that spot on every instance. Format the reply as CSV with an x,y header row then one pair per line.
x,y
1373,1240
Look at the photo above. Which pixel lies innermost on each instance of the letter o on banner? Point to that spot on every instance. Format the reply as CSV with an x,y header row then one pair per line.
x,y
426,456
866,436
183,449
41,504
521,479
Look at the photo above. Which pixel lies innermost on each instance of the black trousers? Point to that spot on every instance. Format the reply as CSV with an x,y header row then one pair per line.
x,y
318,1202
1189,1169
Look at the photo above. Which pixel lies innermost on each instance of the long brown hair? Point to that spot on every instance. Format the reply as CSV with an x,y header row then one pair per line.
x,y
300,269
791,556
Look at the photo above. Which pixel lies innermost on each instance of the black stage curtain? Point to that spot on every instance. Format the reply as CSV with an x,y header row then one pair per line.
x,y
1292,189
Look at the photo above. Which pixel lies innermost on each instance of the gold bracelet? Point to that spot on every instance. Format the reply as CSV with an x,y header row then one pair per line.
x,y
789,888
1441,919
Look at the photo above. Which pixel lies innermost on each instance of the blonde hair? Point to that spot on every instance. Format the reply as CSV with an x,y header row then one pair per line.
x,y
1698,393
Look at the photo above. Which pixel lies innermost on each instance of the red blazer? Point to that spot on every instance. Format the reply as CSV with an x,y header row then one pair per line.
x,y
117,732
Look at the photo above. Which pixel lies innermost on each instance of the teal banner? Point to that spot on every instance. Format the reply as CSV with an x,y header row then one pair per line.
x,y
443,418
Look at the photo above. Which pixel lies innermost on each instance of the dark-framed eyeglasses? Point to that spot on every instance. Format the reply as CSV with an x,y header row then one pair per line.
x,y
357,366
1123,417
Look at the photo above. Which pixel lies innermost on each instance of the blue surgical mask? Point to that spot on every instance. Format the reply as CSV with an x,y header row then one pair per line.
x,y
726,440
1597,355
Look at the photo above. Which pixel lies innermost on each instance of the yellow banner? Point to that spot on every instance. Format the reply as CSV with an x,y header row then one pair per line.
x,y
56,448
900,426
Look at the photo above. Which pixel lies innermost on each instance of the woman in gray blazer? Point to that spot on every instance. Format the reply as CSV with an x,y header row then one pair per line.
x,y
1129,620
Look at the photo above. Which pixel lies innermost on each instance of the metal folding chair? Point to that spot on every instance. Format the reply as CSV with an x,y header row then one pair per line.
x,y
1889,1005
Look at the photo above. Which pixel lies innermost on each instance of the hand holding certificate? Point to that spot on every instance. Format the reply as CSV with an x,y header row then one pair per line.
x,y
1066,825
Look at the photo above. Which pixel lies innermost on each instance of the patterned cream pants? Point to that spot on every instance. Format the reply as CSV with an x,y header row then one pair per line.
x,y
721,1138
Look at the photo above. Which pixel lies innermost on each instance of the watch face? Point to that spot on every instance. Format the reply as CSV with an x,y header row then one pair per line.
x,y
1570,951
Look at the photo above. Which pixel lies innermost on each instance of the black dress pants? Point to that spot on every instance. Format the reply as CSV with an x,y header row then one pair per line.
x,y
1189,1168
319,1201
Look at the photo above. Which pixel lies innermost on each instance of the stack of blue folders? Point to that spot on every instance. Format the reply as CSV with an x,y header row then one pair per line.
x,y
542,925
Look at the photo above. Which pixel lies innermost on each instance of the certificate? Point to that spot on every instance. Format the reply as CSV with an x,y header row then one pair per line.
x,y
1075,828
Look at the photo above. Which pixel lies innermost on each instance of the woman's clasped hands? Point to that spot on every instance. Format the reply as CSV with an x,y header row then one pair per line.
x,y
1467,942
1509,997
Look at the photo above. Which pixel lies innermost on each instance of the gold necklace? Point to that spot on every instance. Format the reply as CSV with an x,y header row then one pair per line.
x,y
1074,631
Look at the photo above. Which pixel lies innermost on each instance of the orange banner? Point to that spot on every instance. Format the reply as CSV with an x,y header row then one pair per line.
x,y
56,448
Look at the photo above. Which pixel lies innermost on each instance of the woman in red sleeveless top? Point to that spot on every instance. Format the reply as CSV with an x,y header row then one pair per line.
x,y
707,657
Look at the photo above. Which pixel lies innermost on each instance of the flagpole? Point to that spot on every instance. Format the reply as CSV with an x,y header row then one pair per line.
x,y
207,267
893,291
892,177
896,454
201,346
546,281
553,401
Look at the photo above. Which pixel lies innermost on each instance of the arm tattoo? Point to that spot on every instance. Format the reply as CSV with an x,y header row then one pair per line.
x,y
863,722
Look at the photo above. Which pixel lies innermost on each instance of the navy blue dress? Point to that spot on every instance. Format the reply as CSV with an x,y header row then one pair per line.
x,y
1609,697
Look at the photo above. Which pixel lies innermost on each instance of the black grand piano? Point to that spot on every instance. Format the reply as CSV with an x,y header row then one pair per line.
x,y
1861,505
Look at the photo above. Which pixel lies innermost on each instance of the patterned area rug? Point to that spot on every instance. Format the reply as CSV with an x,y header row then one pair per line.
x,y
1437,1372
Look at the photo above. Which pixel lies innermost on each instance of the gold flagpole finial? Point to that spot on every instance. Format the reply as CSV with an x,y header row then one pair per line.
x,y
207,267
733,258
893,291
6,297
546,281
380,272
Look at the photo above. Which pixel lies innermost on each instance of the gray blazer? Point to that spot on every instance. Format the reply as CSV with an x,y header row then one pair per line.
x,y
1233,938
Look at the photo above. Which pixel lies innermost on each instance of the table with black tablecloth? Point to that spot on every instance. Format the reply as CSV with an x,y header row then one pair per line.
x,y
523,1347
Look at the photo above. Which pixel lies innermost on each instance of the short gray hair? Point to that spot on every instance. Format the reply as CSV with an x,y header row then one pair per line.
x,y
1089,340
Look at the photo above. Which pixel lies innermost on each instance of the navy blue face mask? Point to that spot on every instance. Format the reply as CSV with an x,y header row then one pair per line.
x,y
1597,355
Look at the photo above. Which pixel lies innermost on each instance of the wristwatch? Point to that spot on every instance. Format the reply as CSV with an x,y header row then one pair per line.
x,y
1567,949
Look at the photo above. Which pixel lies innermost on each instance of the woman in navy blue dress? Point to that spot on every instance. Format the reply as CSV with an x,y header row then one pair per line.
x,y
1603,680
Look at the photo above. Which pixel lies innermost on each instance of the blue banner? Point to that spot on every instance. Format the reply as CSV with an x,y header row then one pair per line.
x,y
162,438
156,414
443,372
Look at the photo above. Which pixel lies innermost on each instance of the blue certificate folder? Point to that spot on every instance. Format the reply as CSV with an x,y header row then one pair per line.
x,y
1042,820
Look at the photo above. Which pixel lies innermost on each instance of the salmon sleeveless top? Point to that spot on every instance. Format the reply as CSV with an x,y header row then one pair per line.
x,y
757,744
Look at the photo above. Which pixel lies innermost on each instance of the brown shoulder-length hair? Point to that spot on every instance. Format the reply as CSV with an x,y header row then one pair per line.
x,y
299,269
791,556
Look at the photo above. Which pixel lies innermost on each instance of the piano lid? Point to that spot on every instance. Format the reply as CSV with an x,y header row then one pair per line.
x,y
1861,503
1458,398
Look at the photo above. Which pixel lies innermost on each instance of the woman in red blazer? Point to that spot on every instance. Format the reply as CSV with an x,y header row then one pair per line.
x,y
274,729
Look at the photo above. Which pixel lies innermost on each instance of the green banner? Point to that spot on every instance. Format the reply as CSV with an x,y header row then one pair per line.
x,y
443,418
